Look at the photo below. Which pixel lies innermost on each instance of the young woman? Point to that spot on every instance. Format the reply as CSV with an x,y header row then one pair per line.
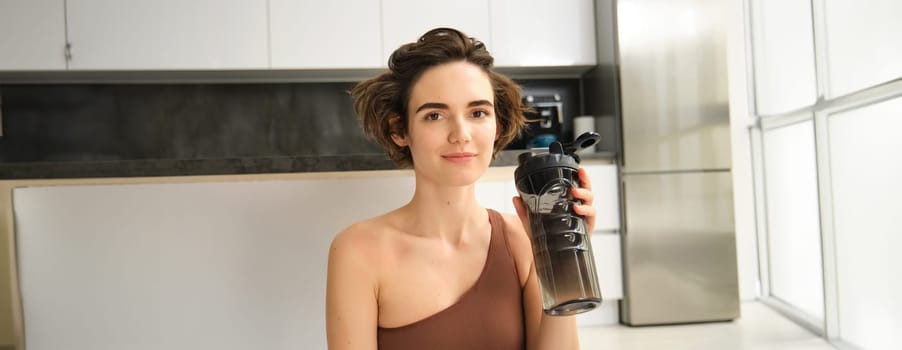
x,y
441,272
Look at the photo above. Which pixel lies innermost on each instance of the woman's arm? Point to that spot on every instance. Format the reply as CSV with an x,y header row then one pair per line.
x,y
544,331
351,294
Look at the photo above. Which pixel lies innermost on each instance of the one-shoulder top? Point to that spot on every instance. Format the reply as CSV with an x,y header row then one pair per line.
x,y
488,316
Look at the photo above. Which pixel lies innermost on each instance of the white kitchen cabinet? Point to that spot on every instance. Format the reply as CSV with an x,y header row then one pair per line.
x,y
404,21
308,34
543,33
608,264
32,35
236,264
607,195
167,34
497,195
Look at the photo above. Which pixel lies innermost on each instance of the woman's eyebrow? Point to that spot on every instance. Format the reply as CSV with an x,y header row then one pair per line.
x,y
480,103
438,105
431,105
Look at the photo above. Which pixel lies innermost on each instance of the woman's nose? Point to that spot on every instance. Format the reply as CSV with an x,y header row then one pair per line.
x,y
460,131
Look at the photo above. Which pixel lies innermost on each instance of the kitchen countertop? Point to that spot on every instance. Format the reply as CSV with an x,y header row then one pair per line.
x,y
193,167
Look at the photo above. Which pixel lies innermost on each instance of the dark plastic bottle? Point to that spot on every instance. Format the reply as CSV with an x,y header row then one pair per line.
x,y
561,246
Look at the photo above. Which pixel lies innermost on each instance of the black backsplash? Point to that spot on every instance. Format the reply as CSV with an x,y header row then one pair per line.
x,y
121,122
116,122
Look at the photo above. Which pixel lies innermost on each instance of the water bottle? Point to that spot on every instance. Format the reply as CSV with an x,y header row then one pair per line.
x,y
561,246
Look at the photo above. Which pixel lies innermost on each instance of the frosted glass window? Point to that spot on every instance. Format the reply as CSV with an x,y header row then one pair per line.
x,y
866,170
784,55
793,226
864,47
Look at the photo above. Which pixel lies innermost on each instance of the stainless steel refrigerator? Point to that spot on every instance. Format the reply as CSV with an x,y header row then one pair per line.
x,y
664,63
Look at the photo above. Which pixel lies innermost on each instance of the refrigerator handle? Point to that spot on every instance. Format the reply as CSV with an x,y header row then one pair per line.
x,y
623,224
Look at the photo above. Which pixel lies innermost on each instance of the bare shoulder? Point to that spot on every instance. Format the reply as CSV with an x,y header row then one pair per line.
x,y
355,258
358,243
519,243
352,286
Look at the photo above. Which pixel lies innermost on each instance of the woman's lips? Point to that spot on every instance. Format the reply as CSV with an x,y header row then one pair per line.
x,y
459,157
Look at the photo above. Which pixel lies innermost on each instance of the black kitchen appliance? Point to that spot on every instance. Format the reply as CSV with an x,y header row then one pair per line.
x,y
544,122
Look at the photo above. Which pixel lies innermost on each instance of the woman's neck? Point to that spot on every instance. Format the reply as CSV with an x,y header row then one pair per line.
x,y
445,212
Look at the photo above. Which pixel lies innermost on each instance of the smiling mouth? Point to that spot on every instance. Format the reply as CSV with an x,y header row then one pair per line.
x,y
459,157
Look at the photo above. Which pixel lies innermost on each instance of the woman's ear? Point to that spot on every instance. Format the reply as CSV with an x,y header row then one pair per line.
x,y
399,140
397,136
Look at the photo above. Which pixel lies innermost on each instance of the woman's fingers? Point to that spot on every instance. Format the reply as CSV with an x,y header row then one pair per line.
x,y
584,181
584,210
587,198
588,212
583,195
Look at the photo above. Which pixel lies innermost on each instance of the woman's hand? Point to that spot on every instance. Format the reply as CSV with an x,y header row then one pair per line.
x,y
582,194
587,198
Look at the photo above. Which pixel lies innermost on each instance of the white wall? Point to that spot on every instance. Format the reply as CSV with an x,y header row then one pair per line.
x,y
741,117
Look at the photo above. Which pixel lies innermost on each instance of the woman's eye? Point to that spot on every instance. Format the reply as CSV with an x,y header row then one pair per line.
x,y
480,114
433,116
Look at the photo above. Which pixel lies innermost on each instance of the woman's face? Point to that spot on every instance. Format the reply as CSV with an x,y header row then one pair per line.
x,y
451,127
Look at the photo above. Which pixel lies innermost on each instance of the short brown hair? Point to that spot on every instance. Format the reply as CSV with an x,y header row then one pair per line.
x,y
381,102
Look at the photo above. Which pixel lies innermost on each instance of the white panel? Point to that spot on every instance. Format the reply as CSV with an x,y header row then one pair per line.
x,y
607,195
606,315
793,226
493,195
606,251
783,42
404,21
168,34
325,34
543,33
496,189
863,43
866,170
32,35
234,265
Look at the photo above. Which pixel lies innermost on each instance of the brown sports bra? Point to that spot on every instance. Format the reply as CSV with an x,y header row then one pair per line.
x,y
488,316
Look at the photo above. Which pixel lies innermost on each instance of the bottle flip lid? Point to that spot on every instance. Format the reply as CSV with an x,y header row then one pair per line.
x,y
559,155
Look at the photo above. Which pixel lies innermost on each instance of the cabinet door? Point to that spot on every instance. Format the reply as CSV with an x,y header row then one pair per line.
x,y
608,264
167,34
607,196
32,35
543,33
404,21
325,34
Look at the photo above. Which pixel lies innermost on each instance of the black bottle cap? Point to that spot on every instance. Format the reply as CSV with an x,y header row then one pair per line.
x,y
556,157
